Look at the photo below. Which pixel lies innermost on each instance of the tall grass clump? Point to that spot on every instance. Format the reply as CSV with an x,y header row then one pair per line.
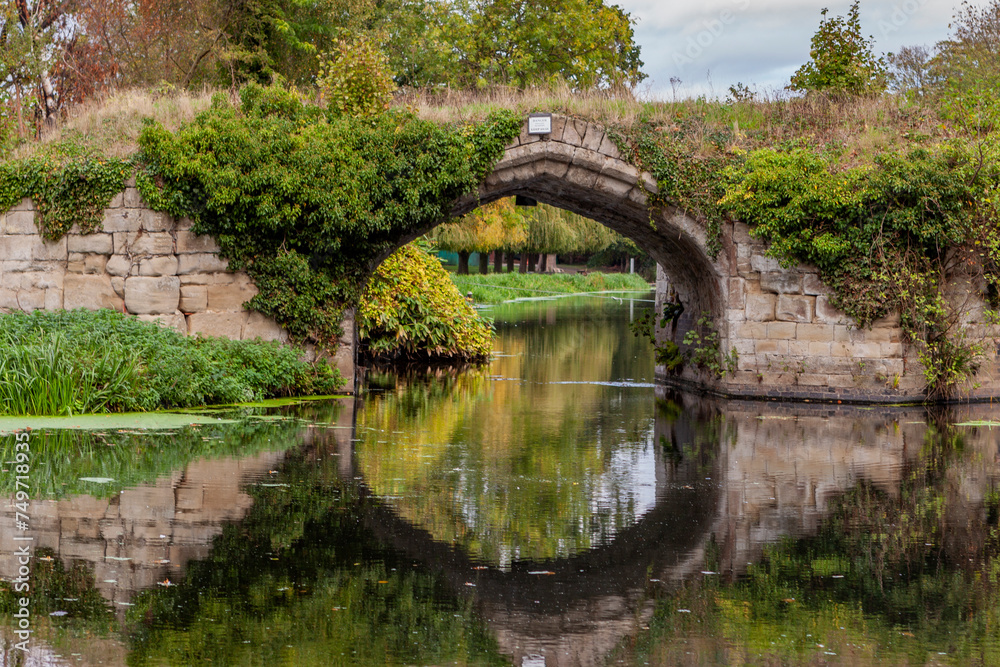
x,y
73,362
499,287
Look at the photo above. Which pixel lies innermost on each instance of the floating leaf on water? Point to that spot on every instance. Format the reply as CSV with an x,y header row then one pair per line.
x,y
115,558
981,422
541,572
138,422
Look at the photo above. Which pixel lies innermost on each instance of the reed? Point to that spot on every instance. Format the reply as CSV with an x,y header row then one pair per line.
x,y
101,361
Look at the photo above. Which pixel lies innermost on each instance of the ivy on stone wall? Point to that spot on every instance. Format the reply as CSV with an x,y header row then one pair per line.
x,y
306,200
66,190
888,235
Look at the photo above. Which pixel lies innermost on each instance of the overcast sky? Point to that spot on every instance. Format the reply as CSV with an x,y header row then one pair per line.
x,y
711,44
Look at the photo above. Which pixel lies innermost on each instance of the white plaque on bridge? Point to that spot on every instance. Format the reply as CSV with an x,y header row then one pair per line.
x,y
540,123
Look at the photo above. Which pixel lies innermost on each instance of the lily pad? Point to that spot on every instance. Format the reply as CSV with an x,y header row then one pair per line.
x,y
144,421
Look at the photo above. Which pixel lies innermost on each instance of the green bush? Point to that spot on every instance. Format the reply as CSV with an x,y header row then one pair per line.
x,y
71,362
306,200
413,311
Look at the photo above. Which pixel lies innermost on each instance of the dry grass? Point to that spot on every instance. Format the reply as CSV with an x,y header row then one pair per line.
x,y
858,128
110,125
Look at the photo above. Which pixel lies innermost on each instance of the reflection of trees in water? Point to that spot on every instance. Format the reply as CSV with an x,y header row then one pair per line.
x,y
132,456
302,581
892,576
530,460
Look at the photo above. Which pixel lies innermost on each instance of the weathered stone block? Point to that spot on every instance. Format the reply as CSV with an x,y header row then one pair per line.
x,y
771,347
118,285
891,350
594,136
760,307
609,148
8,298
261,326
812,380
19,222
121,220
118,265
229,297
102,244
781,282
194,298
737,293
30,299
781,330
53,299
189,242
156,221
50,279
827,314
812,285
750,330
16,247
132,198
95,263
814,332
162,265
817,349
143,243
735,315
794,308
200,263
764,263
152,296
229,325
91,292
745,347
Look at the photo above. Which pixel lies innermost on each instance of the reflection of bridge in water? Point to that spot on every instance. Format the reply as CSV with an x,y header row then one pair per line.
x,y
755,473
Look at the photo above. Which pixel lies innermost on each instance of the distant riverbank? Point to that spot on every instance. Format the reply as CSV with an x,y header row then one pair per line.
x,y
495,288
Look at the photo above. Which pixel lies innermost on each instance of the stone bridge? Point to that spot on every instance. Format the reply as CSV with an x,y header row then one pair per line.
x,y
788,341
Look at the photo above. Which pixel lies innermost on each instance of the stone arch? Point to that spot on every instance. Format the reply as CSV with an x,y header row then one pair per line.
x,y
579,168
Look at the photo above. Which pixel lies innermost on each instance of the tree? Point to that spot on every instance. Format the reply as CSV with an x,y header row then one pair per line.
x,y
516,43
497,225
32,35
910,71
842,61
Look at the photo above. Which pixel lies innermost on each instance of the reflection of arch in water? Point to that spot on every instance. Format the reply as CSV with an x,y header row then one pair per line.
x,y
773,471
588,601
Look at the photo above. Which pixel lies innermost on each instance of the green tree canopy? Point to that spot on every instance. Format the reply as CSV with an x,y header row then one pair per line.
x,y
841,59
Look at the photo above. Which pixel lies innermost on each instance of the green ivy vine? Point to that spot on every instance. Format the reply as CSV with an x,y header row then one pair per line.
x,y
887,235
66,190
307,200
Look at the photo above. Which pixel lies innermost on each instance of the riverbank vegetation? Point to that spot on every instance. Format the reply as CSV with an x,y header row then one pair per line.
x,y
496,288
879,170
73,362
412,311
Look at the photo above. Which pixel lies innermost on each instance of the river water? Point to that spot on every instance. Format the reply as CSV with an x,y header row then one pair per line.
x,y
554,508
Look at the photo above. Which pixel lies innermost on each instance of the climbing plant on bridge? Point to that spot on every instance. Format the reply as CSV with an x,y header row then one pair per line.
x,y
887,232
308,200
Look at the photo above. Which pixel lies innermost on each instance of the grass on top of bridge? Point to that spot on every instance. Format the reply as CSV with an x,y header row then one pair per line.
x,y
859,127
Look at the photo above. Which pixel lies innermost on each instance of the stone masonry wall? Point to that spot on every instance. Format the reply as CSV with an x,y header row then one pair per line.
x,y
141,262
792,341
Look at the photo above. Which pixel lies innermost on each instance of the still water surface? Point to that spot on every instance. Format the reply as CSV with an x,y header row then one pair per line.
x,y
546,510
